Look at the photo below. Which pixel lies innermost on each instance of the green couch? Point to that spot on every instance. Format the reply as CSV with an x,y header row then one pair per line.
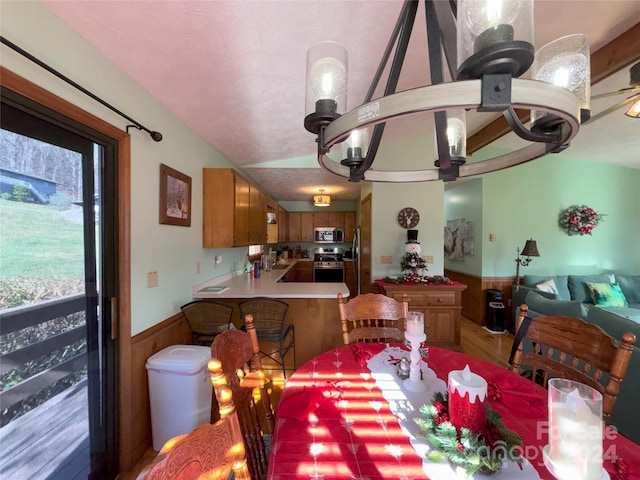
x,y
614,320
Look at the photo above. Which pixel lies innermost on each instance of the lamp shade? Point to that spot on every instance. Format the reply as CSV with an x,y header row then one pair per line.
x,y
321,200
494,36
530,249
326,89
565,62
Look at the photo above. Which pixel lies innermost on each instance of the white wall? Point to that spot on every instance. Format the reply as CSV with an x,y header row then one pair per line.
x,y
170,250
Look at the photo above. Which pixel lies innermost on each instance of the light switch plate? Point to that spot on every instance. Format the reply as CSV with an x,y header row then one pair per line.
x,y
152,279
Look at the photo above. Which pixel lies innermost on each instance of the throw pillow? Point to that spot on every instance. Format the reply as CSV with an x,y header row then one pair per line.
x,y
549,286
545,306
607,295
578,285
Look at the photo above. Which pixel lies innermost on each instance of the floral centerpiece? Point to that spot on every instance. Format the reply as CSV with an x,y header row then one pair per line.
x,y
579,220
475,452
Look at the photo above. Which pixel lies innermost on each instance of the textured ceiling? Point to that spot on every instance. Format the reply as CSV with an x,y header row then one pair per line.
x,y
234,71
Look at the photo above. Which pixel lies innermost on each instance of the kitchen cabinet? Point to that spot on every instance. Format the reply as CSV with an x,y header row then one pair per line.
x,y
321,219
350,277
283,225
442,307
295,219
234,210
225,216
306,227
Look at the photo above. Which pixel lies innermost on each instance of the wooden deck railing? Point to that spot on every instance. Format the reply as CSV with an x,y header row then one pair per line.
x,y
18,318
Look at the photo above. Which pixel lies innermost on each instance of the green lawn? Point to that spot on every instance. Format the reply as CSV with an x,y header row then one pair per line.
x,y
37,241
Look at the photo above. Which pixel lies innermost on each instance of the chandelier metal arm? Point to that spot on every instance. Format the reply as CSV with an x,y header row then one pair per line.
x,y
520,130
406,22
445,16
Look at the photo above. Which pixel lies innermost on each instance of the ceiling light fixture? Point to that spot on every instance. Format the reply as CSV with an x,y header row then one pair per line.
x,y
321,200
488,45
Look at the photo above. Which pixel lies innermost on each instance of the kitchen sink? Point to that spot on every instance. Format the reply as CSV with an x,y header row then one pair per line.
x,y
280,266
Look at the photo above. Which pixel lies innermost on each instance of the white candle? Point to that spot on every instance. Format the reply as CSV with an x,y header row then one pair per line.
x,y
415,324
575,438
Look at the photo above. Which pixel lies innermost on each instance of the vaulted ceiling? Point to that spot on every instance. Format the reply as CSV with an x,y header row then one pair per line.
x,y
234,72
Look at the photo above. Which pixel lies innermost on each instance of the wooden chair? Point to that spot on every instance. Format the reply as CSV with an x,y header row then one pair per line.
x,y
269,316
572,348
240,356
373,317
207,318
210,452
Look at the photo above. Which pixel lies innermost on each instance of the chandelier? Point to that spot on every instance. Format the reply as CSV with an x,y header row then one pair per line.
x,y
487,45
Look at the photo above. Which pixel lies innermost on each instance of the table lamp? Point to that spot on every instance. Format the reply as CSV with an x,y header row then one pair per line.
x,y
530,250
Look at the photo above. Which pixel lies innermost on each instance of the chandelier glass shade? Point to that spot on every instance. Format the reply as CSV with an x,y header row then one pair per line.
x,y
487,45
321,200
564,62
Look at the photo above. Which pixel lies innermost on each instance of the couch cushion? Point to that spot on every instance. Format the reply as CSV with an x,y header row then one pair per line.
x,y
630,285
607,295
559,280
578,285
546,306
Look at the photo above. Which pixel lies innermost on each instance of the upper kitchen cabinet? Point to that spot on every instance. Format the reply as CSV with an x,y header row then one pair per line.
x,y
225,213
234,212
300,226
283,225
321,219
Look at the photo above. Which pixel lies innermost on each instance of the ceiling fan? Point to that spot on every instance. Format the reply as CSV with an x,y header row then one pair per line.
x,y
633,99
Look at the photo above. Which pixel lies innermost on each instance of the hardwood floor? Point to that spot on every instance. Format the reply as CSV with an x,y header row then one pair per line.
x,y
476,341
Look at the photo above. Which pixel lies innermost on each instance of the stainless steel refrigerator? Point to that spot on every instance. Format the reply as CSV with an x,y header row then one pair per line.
x,y
355,247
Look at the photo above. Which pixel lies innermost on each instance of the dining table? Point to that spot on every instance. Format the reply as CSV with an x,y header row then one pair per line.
x,y
346,414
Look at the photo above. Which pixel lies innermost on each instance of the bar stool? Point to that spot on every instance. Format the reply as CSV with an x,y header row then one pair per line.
x,y
207,318
269,319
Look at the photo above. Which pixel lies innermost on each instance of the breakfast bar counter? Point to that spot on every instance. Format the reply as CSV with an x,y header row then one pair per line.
x,y
268,285
313,307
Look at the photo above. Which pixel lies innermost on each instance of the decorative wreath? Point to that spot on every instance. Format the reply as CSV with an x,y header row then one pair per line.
x,y
483,452
579,220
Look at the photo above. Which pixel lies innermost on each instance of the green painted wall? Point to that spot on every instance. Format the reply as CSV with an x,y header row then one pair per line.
x,y
525,201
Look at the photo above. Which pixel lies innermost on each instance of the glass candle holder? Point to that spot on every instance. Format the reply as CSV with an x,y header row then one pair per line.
x,y
575,431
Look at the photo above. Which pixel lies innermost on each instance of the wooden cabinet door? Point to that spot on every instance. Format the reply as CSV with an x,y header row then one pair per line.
x,y
321,219
295,222
283,225
306,226
218,200
336,219
241,235
349,226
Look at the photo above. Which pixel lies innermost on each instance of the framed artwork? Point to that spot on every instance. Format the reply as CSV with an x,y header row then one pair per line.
x,y
458,239
175,197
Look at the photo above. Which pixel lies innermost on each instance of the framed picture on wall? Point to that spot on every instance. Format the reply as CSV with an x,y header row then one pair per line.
x,y
175,197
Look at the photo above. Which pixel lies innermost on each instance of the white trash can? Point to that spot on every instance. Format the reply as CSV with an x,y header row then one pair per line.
x,y
179,391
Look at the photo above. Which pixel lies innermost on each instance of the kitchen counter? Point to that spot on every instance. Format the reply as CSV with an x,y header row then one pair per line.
x,y
241,286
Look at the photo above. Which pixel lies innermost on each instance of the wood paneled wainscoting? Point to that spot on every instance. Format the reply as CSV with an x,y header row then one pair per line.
x,y
474,297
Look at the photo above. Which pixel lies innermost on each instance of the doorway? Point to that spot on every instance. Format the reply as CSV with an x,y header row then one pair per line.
x,y
58,255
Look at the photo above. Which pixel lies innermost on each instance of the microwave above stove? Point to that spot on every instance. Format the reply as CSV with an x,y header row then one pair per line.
x,y
328,235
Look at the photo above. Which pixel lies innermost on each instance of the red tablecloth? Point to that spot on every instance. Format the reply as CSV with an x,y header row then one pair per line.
x,y
332,421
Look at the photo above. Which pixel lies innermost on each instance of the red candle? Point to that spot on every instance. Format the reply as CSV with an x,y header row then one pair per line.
x,y
467,395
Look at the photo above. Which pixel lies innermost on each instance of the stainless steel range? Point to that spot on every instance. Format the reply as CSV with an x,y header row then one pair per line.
x,y
328,265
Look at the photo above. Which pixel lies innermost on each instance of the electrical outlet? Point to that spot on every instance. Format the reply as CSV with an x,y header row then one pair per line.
x,y
386,259
218,259
152,279
429,259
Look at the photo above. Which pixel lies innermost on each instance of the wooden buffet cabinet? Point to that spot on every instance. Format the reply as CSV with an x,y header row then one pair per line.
x,y
442,308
